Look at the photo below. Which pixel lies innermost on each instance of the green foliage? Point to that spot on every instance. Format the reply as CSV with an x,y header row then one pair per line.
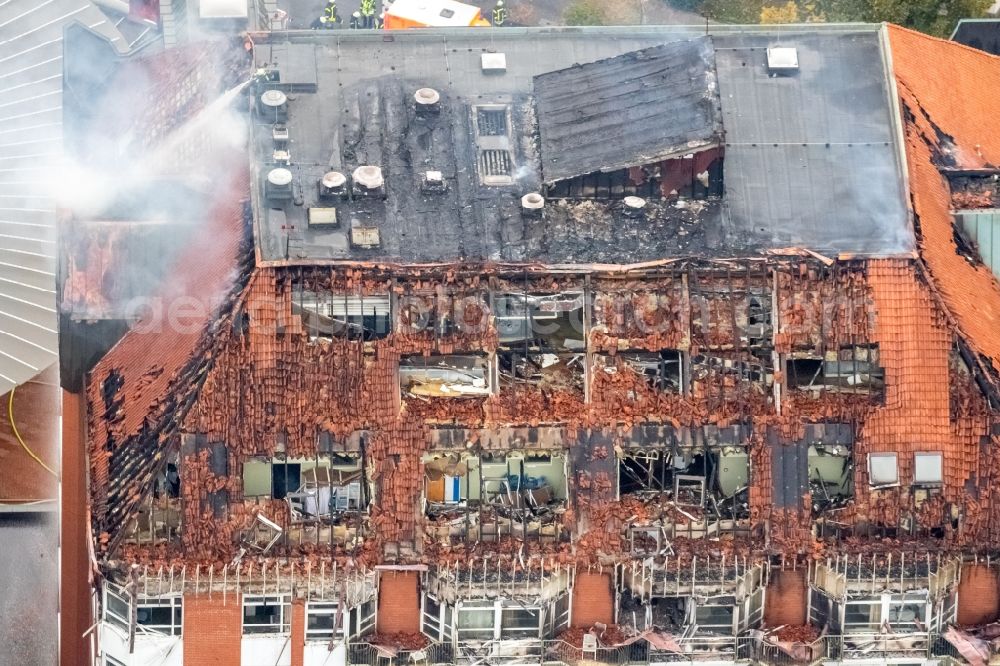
x,y
585,12
935,17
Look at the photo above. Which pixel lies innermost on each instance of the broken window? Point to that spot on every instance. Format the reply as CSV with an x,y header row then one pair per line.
x,y
851,369
326,315
637,314
158,518
728,314
549,322
443,315
161,614
525,491
712,482
726,376
544,370
260,538
662,370
883,470
716,615
451,376
831,476
312,487
323,621
266,614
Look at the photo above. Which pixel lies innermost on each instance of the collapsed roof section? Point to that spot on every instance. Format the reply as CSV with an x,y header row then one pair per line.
x,y
943,88
637,108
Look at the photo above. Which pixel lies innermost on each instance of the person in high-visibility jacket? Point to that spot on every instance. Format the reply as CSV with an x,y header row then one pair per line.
x,y
355,20
499,14
367,13
330,12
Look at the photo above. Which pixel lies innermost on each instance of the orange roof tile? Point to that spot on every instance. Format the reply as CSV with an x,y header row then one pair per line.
x,y
950,89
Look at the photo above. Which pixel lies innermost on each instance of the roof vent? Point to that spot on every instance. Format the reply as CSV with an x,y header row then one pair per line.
x,y
494,63
365,237
333,184
278,184
634,206
433,183
322,217
428,101
274,105
368,181
782,60
532,204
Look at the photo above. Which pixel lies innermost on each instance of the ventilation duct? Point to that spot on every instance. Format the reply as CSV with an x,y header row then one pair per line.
x,y
274,105
368,181
333,184
532,204
428,101
278,184
634,206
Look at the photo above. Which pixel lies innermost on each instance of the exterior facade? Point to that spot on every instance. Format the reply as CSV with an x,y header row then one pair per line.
x,y
473,391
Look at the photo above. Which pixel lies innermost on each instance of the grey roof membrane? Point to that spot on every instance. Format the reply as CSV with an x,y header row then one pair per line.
x,y
643,106
811,159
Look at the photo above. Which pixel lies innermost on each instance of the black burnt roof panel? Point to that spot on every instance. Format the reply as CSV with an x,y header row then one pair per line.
x,y
632,109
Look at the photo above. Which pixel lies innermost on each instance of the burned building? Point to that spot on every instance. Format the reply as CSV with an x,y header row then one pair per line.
x,y
653,345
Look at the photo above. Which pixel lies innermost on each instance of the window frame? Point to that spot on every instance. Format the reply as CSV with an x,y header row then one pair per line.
x,y
939,456
319,608
284,605
498,631
176,605
117,593
883,455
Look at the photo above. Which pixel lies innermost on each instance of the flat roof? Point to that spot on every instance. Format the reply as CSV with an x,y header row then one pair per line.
x,y
811,159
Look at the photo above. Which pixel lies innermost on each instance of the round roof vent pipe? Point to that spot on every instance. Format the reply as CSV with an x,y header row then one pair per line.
x,y
333,184
278,184
274,105
532,204
368,181
634,206
428,101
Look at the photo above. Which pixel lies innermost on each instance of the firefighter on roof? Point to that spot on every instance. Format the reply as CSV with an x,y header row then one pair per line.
x,y
355,20
367,13
330,12
499,14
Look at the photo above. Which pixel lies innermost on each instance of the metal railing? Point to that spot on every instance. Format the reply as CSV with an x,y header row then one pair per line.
x,y
698,649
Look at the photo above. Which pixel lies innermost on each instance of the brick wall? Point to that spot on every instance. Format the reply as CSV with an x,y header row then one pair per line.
x,y
978,595
785,599
298,631
592,600
212,630
398,602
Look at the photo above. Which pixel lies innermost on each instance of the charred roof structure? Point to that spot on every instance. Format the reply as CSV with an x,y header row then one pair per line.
x,y
512,377
647,105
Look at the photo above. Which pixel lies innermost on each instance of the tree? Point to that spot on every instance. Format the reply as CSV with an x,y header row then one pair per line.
x,y
791,12
585,12
786,13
